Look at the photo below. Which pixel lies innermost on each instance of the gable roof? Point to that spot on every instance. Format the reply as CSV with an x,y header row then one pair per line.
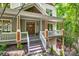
x,y
10,13
29,5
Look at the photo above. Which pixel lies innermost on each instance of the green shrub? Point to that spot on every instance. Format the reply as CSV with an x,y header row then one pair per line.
x,y
19,46
52,50
61,53
77,51
3,47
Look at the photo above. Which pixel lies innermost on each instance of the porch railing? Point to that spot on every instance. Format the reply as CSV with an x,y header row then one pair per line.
x,y
11,36
50,34
43,40
8,36
54,33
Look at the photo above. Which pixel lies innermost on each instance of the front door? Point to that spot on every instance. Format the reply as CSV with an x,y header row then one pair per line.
x,y
31,27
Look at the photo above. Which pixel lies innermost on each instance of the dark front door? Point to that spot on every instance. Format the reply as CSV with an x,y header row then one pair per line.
x,y
31,27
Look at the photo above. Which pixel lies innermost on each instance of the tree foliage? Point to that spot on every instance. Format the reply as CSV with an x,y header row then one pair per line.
x,y
70,13
2,5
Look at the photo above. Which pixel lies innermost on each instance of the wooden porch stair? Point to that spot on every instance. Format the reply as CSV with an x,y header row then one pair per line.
x,y
35,47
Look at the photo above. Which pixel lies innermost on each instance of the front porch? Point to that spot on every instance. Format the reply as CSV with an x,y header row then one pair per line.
x,y
28,26
26,19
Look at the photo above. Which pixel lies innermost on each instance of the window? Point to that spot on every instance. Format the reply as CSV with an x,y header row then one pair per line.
x,y
49,12
6,25
0,24
50,27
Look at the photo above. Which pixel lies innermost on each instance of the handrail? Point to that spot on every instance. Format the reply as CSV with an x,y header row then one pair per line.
x,y
43,40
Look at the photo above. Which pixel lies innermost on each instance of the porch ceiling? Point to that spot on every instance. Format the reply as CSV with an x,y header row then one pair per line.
x,y
10,13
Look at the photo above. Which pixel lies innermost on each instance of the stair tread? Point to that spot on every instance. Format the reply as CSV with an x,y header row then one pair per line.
x,y
35,51
35,46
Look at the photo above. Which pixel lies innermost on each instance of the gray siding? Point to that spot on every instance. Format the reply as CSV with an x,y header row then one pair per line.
x,y
23,25
14,25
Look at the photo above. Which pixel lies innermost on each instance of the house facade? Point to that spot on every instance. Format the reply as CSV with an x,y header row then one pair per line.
x,y
35,24
37,19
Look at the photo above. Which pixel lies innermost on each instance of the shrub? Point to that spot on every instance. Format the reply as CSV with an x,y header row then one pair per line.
x,y
19,46
3,47
61,53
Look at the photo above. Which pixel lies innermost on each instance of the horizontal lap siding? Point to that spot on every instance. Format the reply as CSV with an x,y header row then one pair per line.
x,y
23,25
14,25
43,25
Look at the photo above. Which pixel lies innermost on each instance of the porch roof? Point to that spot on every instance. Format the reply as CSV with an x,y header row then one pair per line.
x,y
10,13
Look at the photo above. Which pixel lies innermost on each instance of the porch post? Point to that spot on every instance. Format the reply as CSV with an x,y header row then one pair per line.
x,y
18,32
46,29
41,25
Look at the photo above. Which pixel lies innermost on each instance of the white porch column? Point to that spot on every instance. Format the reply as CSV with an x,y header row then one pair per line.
x,y
41,25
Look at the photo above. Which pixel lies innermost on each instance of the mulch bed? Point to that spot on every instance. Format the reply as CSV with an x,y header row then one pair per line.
x,y
12,50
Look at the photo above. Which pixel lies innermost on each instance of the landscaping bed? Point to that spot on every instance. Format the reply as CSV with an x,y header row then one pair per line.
x,y
12,50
